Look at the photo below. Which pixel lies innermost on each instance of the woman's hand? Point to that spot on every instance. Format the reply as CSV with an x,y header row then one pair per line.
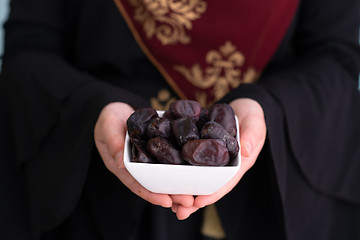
x,y
110,131
252,130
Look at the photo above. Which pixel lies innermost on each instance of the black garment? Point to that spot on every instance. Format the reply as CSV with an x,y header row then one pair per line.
x,y
65,60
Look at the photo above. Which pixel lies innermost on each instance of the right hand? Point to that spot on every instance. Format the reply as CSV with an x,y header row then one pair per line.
x,y
252,128
110,131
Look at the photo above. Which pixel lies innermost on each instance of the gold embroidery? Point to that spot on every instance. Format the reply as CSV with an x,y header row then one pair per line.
x,y
168,19
211,226
162,101
201,98
250,76
222,74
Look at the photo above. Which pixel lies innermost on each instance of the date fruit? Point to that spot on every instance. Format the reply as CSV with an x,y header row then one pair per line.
x,y
184,129
214,130
224,114
159,127
185,108
206,152
139,152
138,121
164,151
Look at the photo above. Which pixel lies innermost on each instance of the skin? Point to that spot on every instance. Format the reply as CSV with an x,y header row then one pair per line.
x,y
109,135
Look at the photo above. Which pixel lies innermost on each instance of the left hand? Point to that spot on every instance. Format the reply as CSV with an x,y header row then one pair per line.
x,y
252,128
109,135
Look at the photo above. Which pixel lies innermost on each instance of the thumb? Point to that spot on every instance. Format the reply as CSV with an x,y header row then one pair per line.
x,y
252,127
110,131
252,134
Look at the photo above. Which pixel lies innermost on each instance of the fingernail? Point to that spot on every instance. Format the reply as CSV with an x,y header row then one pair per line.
x,y
168,204
174,208
247,150
121,164
119,159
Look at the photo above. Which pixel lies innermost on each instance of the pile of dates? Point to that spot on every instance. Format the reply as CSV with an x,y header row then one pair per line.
x,y
185,134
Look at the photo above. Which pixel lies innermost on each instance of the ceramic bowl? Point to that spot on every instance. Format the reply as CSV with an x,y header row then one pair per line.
x,y
180,179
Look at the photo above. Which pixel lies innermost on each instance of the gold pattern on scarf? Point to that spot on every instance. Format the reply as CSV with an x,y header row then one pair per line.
x,y
162,101
211,226
168,20
222,73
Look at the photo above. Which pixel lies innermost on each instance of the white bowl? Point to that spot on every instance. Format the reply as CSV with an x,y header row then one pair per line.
x,y
180,179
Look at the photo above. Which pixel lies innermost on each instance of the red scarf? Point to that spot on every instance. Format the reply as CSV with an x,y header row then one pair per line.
x,y
206,48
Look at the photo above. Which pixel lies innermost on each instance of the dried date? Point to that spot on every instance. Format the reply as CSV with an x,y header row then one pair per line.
x,y
185,108
167,115
206,152
164,151
224,114
184,129
214,130
139,152
138,121
159,127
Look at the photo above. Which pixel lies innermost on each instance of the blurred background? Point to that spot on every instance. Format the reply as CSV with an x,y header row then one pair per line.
x,y
4,10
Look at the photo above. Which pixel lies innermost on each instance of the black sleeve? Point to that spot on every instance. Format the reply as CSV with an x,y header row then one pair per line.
x,y
52,108
311,100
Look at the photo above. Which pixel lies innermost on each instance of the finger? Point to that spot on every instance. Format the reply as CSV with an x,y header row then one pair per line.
x,y
183,213
110,129
112,163
174,207
184,200
252,134
252,126
114,141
